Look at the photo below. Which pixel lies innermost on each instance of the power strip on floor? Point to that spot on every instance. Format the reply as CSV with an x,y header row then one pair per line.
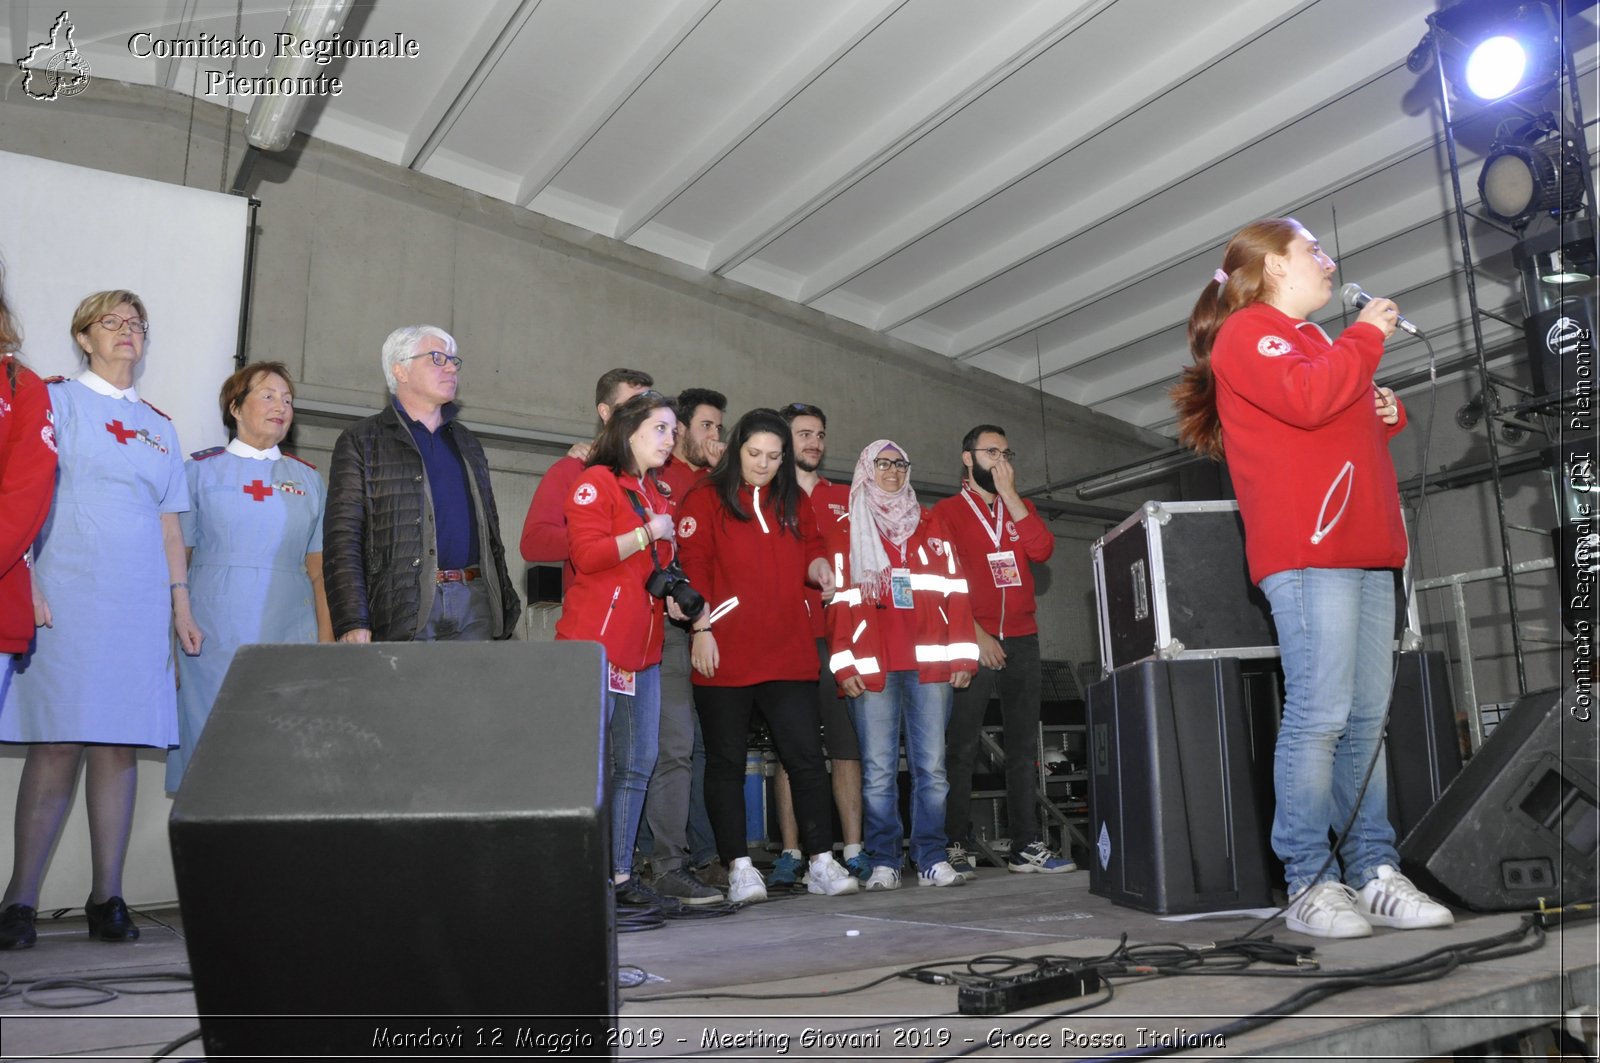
x,y
1026,991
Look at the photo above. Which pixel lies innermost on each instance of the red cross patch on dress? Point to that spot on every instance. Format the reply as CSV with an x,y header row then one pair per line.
x,y
257,490
585,494
123,434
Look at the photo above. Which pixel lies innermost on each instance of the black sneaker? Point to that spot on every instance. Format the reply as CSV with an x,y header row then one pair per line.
x,y
16,927
631,893
680,884
110,921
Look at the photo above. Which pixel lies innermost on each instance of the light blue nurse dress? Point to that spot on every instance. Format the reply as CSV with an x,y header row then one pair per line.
x,y
103,672
252,523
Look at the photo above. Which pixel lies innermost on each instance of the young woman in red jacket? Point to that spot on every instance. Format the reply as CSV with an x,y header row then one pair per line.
x,y
749,543
618,527
901,635
1306,435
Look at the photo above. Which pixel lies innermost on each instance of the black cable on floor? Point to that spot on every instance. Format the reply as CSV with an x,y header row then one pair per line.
x,y
167,1049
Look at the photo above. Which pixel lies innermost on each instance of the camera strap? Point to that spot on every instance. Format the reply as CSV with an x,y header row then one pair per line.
x,y
644,522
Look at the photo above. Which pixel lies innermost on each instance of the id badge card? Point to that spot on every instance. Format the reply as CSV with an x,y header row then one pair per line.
x,y
1003,567
900,587
619,680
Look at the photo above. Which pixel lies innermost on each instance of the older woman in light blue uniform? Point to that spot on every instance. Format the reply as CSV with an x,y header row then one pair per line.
x,y
254,533
109,589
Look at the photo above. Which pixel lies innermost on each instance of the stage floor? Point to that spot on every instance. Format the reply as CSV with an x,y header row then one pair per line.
x,y
805,954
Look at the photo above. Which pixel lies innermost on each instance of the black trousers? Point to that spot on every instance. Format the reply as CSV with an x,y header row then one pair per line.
x,y
790,709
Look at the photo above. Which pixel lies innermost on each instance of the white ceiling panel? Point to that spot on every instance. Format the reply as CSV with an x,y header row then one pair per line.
x,y
1039,188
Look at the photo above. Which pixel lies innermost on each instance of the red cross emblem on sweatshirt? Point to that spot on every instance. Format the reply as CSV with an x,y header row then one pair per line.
x,y
257,490
122,434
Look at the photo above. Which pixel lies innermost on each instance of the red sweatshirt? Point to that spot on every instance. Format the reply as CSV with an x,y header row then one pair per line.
x,y
1308,454
676,478
1002,611
767,635
544,529
942,619
607,602
27,483
830,503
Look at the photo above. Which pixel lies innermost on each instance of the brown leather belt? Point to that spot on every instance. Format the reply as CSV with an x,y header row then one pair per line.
x,y
458,575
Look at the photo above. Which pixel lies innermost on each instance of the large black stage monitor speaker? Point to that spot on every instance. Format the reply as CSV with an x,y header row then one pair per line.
x,y
1173,813
400,845
1522,820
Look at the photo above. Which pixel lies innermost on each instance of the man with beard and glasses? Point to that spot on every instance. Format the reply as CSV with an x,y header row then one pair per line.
x,y
830,502
998,534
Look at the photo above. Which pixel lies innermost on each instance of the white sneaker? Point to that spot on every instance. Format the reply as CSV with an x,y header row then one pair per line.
x,y
829,877
1391,899
883,878
940,874
1327,910
745,884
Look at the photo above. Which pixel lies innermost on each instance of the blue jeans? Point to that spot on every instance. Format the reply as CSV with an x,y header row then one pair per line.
x,y
632,724
920,712
1336,634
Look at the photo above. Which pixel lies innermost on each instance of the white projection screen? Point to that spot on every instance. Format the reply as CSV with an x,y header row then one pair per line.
x,y
65,232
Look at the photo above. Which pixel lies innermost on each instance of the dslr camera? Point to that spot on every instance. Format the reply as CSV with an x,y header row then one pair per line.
x,y
669,581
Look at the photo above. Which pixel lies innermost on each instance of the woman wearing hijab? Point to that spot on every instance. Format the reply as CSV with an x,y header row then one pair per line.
x,y
900,629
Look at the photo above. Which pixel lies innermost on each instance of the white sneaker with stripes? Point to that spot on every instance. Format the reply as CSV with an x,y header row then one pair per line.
x,y
1391,899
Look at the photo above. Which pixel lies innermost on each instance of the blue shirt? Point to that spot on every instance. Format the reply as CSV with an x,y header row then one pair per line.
x,y
453,521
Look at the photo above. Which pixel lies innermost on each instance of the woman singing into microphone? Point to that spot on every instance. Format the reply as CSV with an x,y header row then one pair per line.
x,y
1306,437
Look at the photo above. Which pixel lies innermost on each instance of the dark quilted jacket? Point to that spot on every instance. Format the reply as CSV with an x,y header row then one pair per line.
x,y
378,556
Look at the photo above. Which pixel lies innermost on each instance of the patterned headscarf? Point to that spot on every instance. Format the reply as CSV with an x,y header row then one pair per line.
x,y
875,512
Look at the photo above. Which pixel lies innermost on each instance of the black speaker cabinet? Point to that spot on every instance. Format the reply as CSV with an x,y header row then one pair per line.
x,y
1172,811
378,845
1522,820
1422,745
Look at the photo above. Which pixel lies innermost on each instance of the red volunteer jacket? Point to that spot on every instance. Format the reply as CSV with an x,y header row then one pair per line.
x,y
676,478
766,637
1308,454
544,529
27,483
944,638
830,503
1004,612
607,602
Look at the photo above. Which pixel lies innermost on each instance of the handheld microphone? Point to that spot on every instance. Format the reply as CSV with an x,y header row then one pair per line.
x,y
1355,298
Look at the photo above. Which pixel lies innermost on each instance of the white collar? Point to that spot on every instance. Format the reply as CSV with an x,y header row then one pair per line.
x,y
239,448
101,386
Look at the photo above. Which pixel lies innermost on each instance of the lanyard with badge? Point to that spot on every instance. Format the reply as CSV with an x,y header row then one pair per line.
x,y
900,580
1002,563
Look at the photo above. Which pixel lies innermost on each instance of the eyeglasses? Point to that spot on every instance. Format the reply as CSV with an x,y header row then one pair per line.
x,y
995,453
885,464
113,323
440,359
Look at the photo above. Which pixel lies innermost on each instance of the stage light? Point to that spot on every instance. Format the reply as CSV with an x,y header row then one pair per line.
x,y
1492,49
1521,181
1496,67
1562,267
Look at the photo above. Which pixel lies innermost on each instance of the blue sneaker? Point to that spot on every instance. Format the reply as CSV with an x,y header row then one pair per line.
x,y
1036,857
961,860
786,872
860,866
